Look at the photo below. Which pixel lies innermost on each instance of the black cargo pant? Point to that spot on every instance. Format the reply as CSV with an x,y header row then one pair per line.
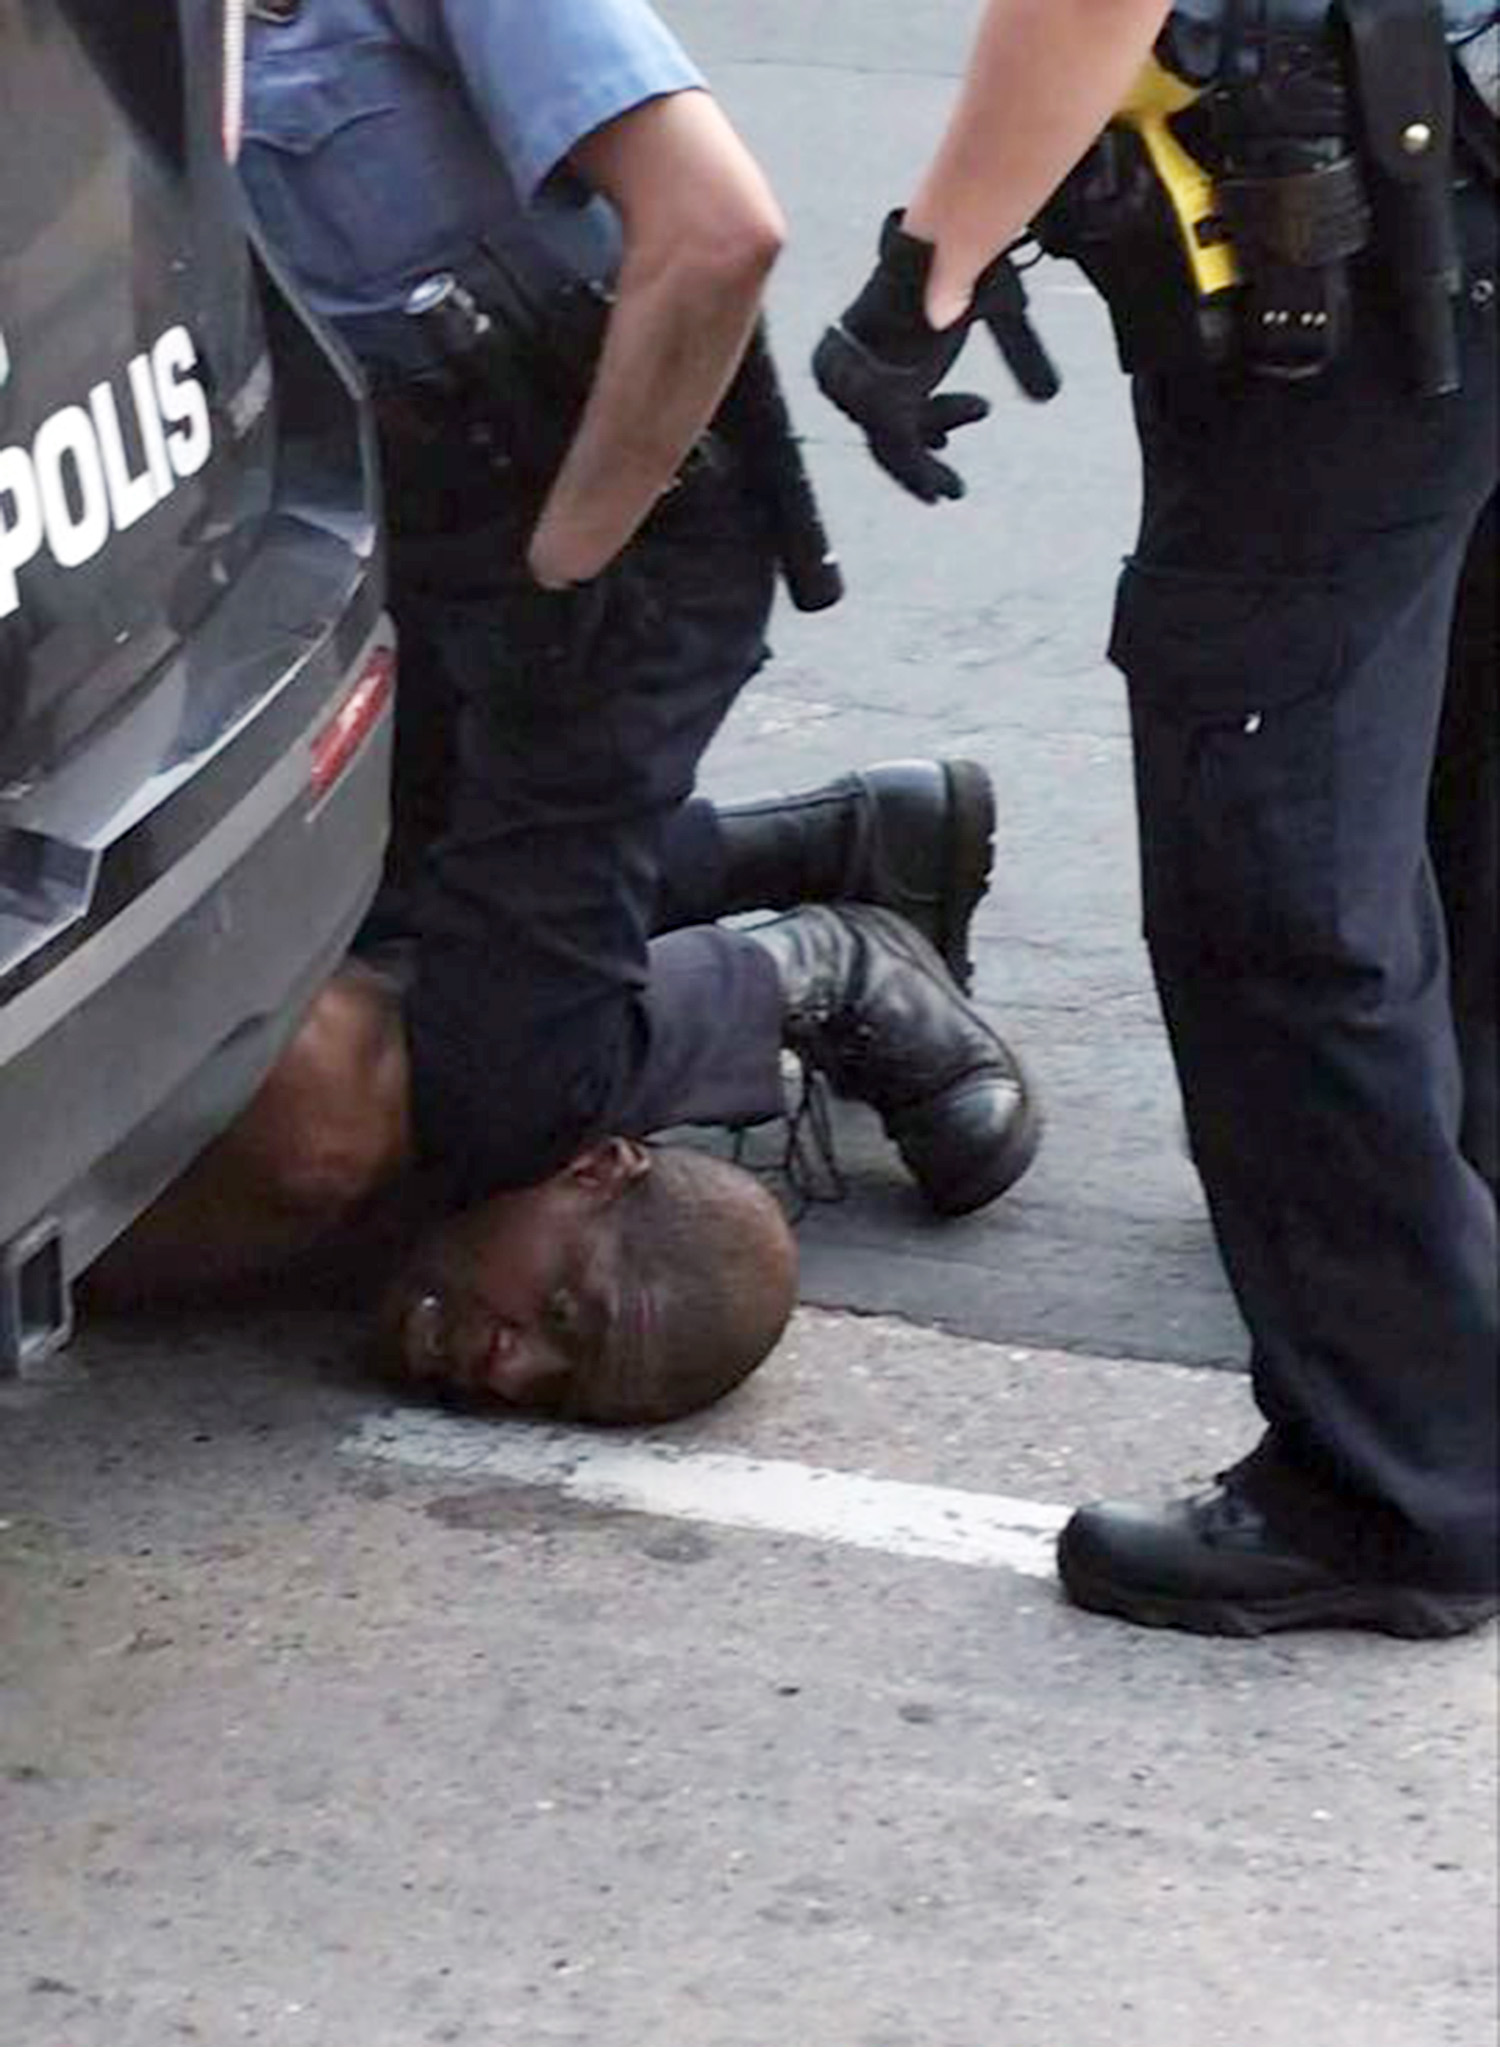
x,y
1315,749
546,748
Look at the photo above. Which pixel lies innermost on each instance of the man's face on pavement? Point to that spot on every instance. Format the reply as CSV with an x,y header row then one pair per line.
x,y
500,1300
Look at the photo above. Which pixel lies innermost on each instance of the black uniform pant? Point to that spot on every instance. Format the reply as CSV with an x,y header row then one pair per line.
x,y
1315,750
546,747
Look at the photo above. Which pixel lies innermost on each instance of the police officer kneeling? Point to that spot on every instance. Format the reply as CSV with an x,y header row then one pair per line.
x,y
1299,259
547,246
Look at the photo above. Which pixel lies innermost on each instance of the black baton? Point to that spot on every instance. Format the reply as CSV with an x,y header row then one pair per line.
x,y
759,426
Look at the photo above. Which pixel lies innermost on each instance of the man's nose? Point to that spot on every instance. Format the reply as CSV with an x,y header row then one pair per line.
x,y
458,1346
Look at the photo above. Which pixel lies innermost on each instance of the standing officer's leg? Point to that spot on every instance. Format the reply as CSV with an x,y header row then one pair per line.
x,y
1465,831
1284,630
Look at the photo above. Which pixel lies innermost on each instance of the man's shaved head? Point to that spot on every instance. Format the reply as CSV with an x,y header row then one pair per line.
x,y
708,1272
634,1287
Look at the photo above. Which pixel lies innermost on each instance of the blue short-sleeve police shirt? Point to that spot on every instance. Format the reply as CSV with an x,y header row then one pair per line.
x,y
385,138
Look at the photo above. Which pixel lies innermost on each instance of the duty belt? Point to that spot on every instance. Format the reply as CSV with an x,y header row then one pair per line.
x,y
1219,220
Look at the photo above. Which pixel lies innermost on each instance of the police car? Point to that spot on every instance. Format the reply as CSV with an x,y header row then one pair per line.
x,y
195,670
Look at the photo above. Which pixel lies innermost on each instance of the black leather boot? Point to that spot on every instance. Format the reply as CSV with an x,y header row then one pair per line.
x,y
1216,1564
915,836
871,1007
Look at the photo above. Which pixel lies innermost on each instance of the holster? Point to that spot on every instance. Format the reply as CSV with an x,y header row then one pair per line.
x,y
1328,145
1293,197
1111,217
1402,72
478,398
514,354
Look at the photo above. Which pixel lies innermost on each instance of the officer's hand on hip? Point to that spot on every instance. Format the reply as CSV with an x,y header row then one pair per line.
x,y
881,364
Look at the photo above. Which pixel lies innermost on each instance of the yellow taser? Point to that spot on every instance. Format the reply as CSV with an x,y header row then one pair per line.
x,y
1156,95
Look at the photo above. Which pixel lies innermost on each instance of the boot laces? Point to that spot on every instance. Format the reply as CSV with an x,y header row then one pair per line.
x,y
807,1164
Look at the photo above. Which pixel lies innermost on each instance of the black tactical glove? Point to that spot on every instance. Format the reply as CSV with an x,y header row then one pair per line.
x,y
882,362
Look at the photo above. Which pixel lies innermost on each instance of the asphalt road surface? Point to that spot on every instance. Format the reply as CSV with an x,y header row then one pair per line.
x,y
326,1720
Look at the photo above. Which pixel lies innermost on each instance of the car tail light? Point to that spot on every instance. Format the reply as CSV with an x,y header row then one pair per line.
x,y
352,723
233,109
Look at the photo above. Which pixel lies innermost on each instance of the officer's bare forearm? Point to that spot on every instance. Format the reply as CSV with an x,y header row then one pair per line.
x,y
674,341
1042,81
701,231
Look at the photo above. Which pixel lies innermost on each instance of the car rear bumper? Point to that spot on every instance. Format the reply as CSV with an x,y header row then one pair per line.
x,y
117,1066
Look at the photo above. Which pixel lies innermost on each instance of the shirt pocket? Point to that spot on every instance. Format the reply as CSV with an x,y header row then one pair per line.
x,y
1233,685
323,165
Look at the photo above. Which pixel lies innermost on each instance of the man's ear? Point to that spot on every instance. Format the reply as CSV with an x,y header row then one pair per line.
x,y
607,1168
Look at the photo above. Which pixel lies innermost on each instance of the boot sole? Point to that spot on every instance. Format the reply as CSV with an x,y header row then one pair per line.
x,y
1404,1611
970,858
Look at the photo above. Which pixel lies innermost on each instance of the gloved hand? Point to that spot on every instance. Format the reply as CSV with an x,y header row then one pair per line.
x,y
881,363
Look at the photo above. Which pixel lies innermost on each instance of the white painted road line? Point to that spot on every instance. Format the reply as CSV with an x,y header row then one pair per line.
x,y
645,1476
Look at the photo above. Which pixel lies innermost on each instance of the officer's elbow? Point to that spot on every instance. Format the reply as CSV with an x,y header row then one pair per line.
x,y
692,199
756,238
730,256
